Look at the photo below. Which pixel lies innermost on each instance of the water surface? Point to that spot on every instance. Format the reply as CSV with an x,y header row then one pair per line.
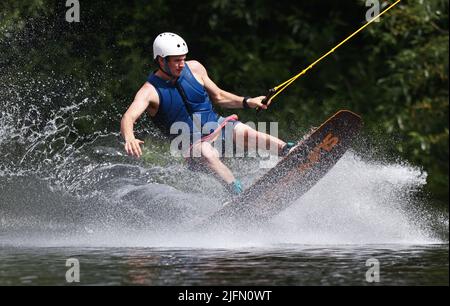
x,y
276,265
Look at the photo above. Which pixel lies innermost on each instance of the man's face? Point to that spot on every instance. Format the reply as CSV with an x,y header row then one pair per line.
x,y
176,64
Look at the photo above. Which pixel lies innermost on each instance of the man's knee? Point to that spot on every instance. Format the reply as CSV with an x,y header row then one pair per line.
x,y
243,133
209,152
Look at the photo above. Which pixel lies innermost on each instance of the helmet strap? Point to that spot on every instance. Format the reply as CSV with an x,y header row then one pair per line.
x,y
166,68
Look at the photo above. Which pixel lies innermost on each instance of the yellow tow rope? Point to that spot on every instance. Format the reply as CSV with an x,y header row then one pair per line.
x,y
278,89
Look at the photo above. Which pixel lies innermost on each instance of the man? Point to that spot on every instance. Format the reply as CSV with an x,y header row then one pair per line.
x,y
180,90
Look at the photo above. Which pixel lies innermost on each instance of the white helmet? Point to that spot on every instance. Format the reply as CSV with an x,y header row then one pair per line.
x,y
168,44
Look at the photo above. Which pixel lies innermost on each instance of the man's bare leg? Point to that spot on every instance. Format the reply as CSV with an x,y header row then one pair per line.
x,y
210,156
251,138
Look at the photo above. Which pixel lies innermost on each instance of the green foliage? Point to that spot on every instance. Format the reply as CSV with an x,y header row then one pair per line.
x,y
394,73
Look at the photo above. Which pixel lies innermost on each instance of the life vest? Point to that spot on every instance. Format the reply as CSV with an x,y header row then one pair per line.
x,y
181,102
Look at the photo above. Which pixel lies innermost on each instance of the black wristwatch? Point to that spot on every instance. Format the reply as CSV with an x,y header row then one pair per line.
x,y
244,102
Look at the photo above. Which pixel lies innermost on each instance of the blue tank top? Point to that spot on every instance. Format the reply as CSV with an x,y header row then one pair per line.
x,y
181,101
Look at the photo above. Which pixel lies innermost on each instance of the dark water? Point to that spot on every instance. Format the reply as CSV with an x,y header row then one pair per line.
x,y
278,265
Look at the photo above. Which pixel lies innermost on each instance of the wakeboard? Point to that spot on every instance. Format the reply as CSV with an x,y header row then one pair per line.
x,y
293,175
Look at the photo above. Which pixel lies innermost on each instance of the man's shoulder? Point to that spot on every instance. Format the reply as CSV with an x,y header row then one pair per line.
x,y
149,91
148,86
193,63
196,66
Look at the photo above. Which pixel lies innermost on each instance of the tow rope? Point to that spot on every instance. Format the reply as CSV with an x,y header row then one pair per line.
x,y
273,92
